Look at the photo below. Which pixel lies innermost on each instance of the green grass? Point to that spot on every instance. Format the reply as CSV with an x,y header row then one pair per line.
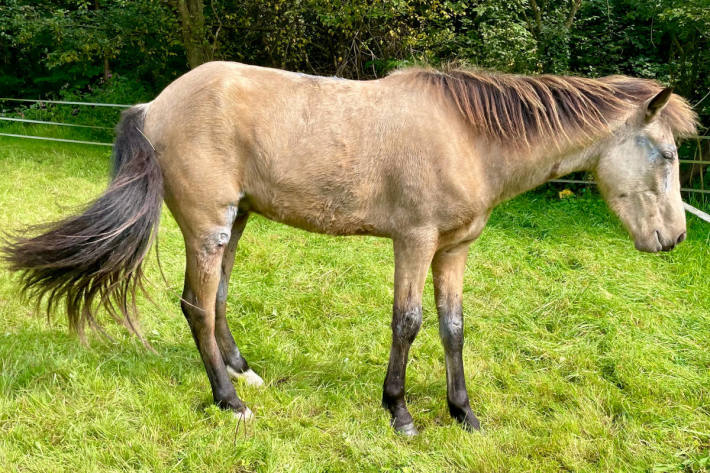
x,y
581,353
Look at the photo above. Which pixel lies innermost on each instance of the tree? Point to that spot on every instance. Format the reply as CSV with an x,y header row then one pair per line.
x,y
194,31
51,45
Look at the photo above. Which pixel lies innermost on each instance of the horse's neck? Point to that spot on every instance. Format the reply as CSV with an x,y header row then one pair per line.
x,y
528,169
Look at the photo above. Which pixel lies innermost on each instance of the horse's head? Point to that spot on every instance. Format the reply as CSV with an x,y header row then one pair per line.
x,y
638,175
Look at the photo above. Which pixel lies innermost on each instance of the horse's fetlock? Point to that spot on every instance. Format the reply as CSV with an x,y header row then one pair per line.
x,y
227,400
458,399
238,364
399,412
465,416
392,396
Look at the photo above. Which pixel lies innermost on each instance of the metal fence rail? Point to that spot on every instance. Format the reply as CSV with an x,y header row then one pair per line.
x,y
697,212
52,123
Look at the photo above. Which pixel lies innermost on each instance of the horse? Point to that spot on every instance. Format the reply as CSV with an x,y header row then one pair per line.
x,y
420,156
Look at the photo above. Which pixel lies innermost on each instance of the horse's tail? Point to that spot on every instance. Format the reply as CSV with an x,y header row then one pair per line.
x,y
94,259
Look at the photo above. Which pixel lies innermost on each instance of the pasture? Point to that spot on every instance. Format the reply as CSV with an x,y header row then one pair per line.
x,y
581,353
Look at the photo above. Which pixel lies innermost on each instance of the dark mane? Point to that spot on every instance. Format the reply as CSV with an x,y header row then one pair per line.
x,y
526,110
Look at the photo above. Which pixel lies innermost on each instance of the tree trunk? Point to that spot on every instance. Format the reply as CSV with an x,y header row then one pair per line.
x,y
194,33
107,69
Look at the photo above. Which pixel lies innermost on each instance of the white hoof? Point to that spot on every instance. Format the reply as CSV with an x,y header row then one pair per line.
x,y
408,430
249,377
245,415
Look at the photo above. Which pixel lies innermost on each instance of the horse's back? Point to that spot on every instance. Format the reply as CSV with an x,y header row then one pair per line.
x,y
320,153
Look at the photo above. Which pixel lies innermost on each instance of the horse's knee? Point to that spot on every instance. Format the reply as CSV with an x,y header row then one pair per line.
x,y
451,330
406,323
216,241
458,399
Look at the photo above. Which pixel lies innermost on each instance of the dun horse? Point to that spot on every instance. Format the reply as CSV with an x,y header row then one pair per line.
x,y
420,156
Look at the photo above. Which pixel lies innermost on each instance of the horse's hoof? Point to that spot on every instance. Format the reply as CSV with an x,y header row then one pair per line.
x,y
465,417
249,377
471,424
407,429
244,415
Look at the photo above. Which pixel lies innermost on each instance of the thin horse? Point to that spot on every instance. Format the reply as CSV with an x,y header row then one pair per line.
x,y
421,156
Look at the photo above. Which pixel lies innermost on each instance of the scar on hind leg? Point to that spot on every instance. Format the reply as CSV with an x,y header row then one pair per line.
x,y
209,257
216,241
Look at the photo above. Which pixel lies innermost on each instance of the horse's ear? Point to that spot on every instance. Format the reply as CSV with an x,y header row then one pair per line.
x,y
657,103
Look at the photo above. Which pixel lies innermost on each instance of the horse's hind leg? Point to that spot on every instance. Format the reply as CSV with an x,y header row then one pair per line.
x,y
205,244
237,366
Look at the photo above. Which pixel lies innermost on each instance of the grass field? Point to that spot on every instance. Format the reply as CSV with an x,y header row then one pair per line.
x,y
581,353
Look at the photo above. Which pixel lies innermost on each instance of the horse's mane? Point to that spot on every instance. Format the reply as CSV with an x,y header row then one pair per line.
x,y
528,110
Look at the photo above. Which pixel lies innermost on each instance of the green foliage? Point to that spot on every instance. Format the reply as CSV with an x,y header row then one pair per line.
x,y
356,38
664,40
51,46
494,34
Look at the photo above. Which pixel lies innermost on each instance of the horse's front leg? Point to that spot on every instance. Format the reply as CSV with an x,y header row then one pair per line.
x,y
448,269
412,258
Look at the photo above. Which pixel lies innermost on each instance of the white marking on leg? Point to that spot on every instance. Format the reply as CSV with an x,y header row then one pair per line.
x,y
249,377
245,415
408,429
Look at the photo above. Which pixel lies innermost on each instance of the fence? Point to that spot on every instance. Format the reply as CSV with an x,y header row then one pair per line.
x,y
694,162
52,123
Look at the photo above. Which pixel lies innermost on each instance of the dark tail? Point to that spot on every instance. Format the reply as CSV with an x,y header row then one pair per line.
x,y
94,259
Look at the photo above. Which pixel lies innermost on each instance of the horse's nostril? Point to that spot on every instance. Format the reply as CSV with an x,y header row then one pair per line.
x,y
681,237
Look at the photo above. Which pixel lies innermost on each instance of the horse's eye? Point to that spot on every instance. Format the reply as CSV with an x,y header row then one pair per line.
x,y
668,155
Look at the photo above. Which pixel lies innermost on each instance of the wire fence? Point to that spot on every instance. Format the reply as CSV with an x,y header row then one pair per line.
x,y
60,124
44,122
694,162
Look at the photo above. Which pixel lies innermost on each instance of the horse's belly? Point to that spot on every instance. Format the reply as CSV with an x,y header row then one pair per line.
x,y
338,212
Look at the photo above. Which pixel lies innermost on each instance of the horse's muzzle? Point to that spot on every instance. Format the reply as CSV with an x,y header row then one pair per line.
x,y
657,243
